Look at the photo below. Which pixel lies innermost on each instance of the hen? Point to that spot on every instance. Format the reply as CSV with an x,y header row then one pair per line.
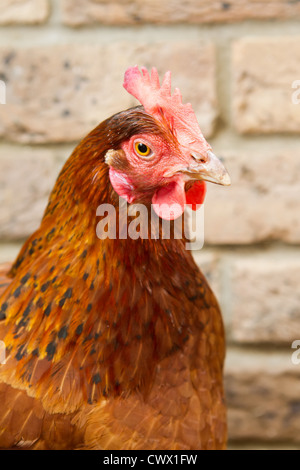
x,y
112,341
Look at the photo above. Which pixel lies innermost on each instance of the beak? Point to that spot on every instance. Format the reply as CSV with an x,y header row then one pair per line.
x,y
207,168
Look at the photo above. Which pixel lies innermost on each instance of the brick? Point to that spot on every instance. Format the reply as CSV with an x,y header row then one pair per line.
x,y
264,70
262,395
9,252
24,11
240,445
128,12
262,203
60,93
266,298
26,179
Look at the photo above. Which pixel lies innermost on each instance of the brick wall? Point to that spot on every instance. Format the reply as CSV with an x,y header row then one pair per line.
x,y
63,64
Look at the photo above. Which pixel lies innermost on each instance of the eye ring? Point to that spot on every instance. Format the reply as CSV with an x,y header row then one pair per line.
x,y
142,150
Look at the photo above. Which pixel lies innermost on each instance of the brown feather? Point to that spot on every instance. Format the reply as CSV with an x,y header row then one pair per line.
x,y
111,344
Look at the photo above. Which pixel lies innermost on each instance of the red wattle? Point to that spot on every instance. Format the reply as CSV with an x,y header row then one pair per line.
x,y
196,194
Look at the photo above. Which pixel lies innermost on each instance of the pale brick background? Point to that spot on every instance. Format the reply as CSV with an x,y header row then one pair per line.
x,y
80,86
24,11
235,61
263,71
116,12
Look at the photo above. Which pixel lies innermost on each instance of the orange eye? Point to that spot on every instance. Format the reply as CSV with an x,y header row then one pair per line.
x,y
142,149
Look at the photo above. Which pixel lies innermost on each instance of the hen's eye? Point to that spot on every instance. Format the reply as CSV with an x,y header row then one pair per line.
x,y
142,149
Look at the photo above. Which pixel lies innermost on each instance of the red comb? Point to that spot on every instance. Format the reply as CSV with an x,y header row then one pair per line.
x,y
159,102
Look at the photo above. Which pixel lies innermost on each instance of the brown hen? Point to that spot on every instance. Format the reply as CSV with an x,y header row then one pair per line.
x,y
116,342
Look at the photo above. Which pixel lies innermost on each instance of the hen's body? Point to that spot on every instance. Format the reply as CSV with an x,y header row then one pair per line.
x,y
110,344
